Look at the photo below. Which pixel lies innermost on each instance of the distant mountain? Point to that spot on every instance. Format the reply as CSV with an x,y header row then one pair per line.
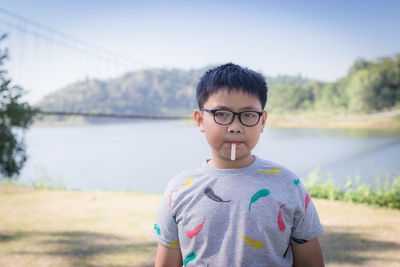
x,y
150,92
370,86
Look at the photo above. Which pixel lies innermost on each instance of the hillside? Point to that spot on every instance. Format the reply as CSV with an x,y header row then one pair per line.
x,y
151,92
369,87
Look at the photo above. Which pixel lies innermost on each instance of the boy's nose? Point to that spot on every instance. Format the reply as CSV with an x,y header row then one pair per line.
x,y
235,126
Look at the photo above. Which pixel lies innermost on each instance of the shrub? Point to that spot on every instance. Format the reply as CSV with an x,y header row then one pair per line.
x,y
387,193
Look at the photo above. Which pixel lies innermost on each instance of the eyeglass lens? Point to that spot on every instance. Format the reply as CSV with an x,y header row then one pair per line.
x,y
247,118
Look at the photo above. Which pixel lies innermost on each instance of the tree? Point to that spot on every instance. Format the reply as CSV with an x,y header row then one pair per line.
x,y
15,118
375,87
359,64
290,97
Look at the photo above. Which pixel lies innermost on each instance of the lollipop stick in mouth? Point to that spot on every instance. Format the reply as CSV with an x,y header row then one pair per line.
x,y
233,151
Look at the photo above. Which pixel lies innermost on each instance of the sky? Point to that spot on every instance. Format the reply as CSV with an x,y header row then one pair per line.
x,y
316,39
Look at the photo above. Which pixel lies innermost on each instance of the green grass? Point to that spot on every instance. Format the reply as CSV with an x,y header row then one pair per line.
x,y
387,193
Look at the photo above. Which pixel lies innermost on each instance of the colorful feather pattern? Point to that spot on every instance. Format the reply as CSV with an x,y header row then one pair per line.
x,y
187,183
253,242
157,229
196,230
286,251
259,194
191,257
174,244
281,223
271,171
210,194
306,201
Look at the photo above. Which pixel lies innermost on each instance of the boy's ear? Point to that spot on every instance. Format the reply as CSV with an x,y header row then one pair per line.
x,y
264,120
198,117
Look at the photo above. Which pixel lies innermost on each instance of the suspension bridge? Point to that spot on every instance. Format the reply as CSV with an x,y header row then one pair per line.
x,y
44,59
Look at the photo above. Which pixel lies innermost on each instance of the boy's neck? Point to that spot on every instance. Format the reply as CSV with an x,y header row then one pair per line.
x,y
231,164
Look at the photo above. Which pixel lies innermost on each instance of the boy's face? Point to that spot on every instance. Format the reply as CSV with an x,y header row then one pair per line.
x,y
220,137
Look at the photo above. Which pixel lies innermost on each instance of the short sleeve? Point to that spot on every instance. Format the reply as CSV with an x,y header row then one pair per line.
x,y
165,229
306,224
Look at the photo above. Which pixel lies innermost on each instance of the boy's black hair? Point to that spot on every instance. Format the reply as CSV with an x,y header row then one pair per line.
x,y
231,77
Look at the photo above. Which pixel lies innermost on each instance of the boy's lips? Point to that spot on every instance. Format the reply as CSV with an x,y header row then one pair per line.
x,y
235,142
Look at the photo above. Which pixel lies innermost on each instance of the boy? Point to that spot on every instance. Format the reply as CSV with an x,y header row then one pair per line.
x,y
236,209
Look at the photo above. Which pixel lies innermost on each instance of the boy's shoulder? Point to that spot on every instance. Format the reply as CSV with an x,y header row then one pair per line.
x,y
271,167
185,178
280,171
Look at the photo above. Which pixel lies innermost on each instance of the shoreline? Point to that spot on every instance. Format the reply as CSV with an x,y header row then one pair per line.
x,y
371,121
309,122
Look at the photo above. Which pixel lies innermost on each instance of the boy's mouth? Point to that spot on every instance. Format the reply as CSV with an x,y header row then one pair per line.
x,y
235,142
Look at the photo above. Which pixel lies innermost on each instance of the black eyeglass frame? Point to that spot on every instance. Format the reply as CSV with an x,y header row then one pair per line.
x,y
239,114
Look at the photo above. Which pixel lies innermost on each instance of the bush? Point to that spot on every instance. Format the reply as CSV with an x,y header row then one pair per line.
x,y
387,194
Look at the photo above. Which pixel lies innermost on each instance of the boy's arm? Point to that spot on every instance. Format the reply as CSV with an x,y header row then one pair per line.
x,y
168,257
308,254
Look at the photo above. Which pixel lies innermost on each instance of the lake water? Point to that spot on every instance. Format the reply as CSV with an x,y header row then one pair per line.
x,y
144,155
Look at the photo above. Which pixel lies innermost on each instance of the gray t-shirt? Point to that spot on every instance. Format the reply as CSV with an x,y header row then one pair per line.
x,y
236,217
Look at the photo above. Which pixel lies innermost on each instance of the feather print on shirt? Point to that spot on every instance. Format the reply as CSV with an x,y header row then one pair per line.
x,y
186,183
157,229
191,257
286,251
196,230
271,171
306,201
211,195
281,223
253,242
174,244
259,194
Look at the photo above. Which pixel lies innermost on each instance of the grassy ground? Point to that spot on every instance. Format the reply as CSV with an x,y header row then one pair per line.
x,y
63,228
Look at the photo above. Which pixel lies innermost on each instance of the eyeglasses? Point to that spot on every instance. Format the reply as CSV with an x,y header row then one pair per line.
x,y
225,117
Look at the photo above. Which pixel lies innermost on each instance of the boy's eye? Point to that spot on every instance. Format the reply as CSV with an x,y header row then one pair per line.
x,y
249,115
222,114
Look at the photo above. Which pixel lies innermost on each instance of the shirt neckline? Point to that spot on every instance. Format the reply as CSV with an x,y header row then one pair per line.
x,y
212,169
